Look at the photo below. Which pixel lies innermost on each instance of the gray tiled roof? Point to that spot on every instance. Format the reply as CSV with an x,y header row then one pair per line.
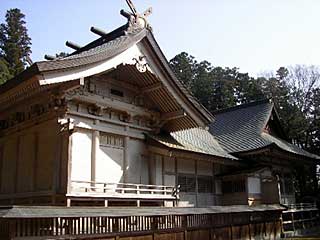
x,y
95,54
102,49
194,140
240,129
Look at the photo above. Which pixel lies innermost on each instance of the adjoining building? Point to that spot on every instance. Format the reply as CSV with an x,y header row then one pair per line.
x,y
111,126
252,132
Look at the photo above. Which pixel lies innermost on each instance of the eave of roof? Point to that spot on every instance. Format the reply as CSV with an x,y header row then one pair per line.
x,y
194,140
103,49
240,130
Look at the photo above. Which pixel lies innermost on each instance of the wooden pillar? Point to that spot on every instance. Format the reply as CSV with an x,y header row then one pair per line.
x,y
69,163
1,163
94,153
57,162
126,155
196,178
16,176
35,162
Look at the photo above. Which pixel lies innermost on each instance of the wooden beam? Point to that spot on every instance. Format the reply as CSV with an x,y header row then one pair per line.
x,y
173,115
152,88
73,45
98,31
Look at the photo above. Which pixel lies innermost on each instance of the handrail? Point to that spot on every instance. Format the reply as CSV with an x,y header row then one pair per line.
x,y
124,188
301,206
133,184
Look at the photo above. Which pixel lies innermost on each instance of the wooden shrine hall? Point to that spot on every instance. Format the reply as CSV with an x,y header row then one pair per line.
x,y
106,143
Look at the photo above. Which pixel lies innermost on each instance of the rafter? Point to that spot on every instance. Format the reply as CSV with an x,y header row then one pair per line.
x,y
173,115
152,88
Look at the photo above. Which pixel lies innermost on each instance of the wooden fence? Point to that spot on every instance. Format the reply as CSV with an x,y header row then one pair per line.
x,y
210,226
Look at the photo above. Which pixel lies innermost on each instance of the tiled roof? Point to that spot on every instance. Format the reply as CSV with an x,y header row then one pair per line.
x,y
240,129
103,49
195,140
96,54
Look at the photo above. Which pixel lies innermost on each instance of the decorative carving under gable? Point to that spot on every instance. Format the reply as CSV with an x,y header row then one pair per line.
x,y
95,110
33,111
142,64
95,101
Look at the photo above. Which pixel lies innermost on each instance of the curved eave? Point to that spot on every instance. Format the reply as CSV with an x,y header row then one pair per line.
x,y
203,113
113,54
270,149
154,142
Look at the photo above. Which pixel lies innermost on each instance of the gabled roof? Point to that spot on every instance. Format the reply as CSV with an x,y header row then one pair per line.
x,y
194,140
240,129
104,54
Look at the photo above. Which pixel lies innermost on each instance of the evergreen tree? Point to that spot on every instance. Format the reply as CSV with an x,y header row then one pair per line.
x,y
183,65
14,43
4,71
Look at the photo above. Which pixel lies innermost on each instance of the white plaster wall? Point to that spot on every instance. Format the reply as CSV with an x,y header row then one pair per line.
x,y
155,163
205,199
218,186
159,170
81,156
138,170
254,185
169,165
169,180
186,166
204,168
109,164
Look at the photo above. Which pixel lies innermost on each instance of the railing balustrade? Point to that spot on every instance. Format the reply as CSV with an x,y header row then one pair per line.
x,y
302,206
79,186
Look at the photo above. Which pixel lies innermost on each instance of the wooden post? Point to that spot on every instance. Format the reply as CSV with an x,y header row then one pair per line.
x,y
17,165
35,162
94,152
196,176
69,187
68,202
126,155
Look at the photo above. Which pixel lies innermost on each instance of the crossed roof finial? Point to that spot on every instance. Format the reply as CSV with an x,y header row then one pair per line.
x,y
136,18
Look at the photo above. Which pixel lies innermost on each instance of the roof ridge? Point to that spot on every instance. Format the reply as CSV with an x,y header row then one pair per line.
x,y
245,105
104,39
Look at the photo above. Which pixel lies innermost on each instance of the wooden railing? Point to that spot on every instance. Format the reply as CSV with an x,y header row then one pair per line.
x,y
225,225
300,216
302,206
129,189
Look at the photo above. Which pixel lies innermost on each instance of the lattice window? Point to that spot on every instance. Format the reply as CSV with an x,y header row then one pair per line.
x,y
116,92
205,184
111,140
234,186
187,183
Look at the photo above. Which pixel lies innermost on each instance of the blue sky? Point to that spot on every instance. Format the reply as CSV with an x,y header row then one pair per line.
x,y
254,35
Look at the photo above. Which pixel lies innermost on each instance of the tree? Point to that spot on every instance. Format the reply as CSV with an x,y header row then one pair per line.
x,y
295,91
14,43
62,55
183,66
4,71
